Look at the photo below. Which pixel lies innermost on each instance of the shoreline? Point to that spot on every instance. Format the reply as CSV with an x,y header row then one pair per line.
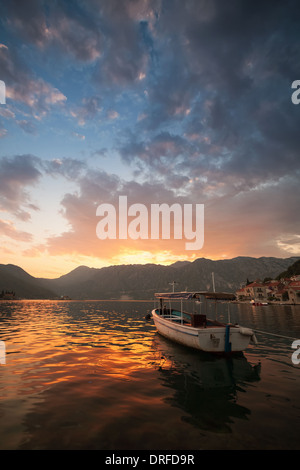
x,y
241,302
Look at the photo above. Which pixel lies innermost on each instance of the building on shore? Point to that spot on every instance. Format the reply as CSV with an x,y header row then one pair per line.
x,y
294,291
255,290
283,290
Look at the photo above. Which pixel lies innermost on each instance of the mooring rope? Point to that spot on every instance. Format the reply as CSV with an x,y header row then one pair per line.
x,y
274,334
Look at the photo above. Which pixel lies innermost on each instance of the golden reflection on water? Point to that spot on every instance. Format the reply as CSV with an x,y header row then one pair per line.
x,y
59,354
50,342
96,375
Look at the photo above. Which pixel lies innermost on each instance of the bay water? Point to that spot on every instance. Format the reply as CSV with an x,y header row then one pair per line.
x,y
95,375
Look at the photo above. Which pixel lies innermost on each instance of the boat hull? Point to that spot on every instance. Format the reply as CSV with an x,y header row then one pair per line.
x,y
217,339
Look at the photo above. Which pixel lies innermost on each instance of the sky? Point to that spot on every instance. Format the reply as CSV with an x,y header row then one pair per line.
x,y
161,101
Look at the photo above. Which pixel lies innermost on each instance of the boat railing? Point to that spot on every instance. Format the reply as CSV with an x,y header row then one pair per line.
x,y
195,320
180,317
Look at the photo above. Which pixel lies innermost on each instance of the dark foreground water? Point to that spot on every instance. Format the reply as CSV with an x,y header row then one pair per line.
x,y
96,375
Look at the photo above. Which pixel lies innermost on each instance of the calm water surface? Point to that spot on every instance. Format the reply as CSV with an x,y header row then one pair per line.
x,y
96,375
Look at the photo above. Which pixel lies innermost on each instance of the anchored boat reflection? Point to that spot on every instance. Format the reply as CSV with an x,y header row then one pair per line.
x,y
206,388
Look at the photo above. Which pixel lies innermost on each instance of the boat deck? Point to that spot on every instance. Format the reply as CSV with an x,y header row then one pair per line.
x,y
194,329
188,319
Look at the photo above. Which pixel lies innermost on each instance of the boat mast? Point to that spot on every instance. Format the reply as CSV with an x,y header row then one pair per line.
x,y
173,284
213,280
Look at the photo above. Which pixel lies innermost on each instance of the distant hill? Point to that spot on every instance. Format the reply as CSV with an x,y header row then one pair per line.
x,y
14,278
142,281
292,270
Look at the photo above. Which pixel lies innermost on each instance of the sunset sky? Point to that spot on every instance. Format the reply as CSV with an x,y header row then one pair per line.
x,y
163,101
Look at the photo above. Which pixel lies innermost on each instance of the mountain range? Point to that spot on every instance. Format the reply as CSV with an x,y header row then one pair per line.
x,y
142,281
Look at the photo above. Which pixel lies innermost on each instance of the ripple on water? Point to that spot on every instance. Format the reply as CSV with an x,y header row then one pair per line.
x,y
97,375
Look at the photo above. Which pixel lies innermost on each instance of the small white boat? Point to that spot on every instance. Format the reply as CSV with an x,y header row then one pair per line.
x,y
258,303
196,330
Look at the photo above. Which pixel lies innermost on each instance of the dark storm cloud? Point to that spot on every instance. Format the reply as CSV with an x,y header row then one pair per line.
x,y
221,45
127,48
162,145
210,82
110,33
64,25
73,30
223,77
28,18
216,76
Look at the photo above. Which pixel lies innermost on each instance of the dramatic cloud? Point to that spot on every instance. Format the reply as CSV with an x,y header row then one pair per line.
x,y
88,110
60,25
8,229
23,88
69,168
17,175
182,101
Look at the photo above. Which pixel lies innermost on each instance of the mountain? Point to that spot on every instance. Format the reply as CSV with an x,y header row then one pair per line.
x,y
293,270
142,281
14,278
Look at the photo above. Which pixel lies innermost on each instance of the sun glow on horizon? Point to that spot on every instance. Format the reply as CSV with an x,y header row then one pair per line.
x,y
100,121
54,266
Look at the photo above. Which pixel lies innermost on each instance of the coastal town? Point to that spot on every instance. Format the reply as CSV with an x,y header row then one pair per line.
x,y
263,287
284,290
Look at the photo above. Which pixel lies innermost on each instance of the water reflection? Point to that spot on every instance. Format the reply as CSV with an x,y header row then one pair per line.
x,y
205,387
96,375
